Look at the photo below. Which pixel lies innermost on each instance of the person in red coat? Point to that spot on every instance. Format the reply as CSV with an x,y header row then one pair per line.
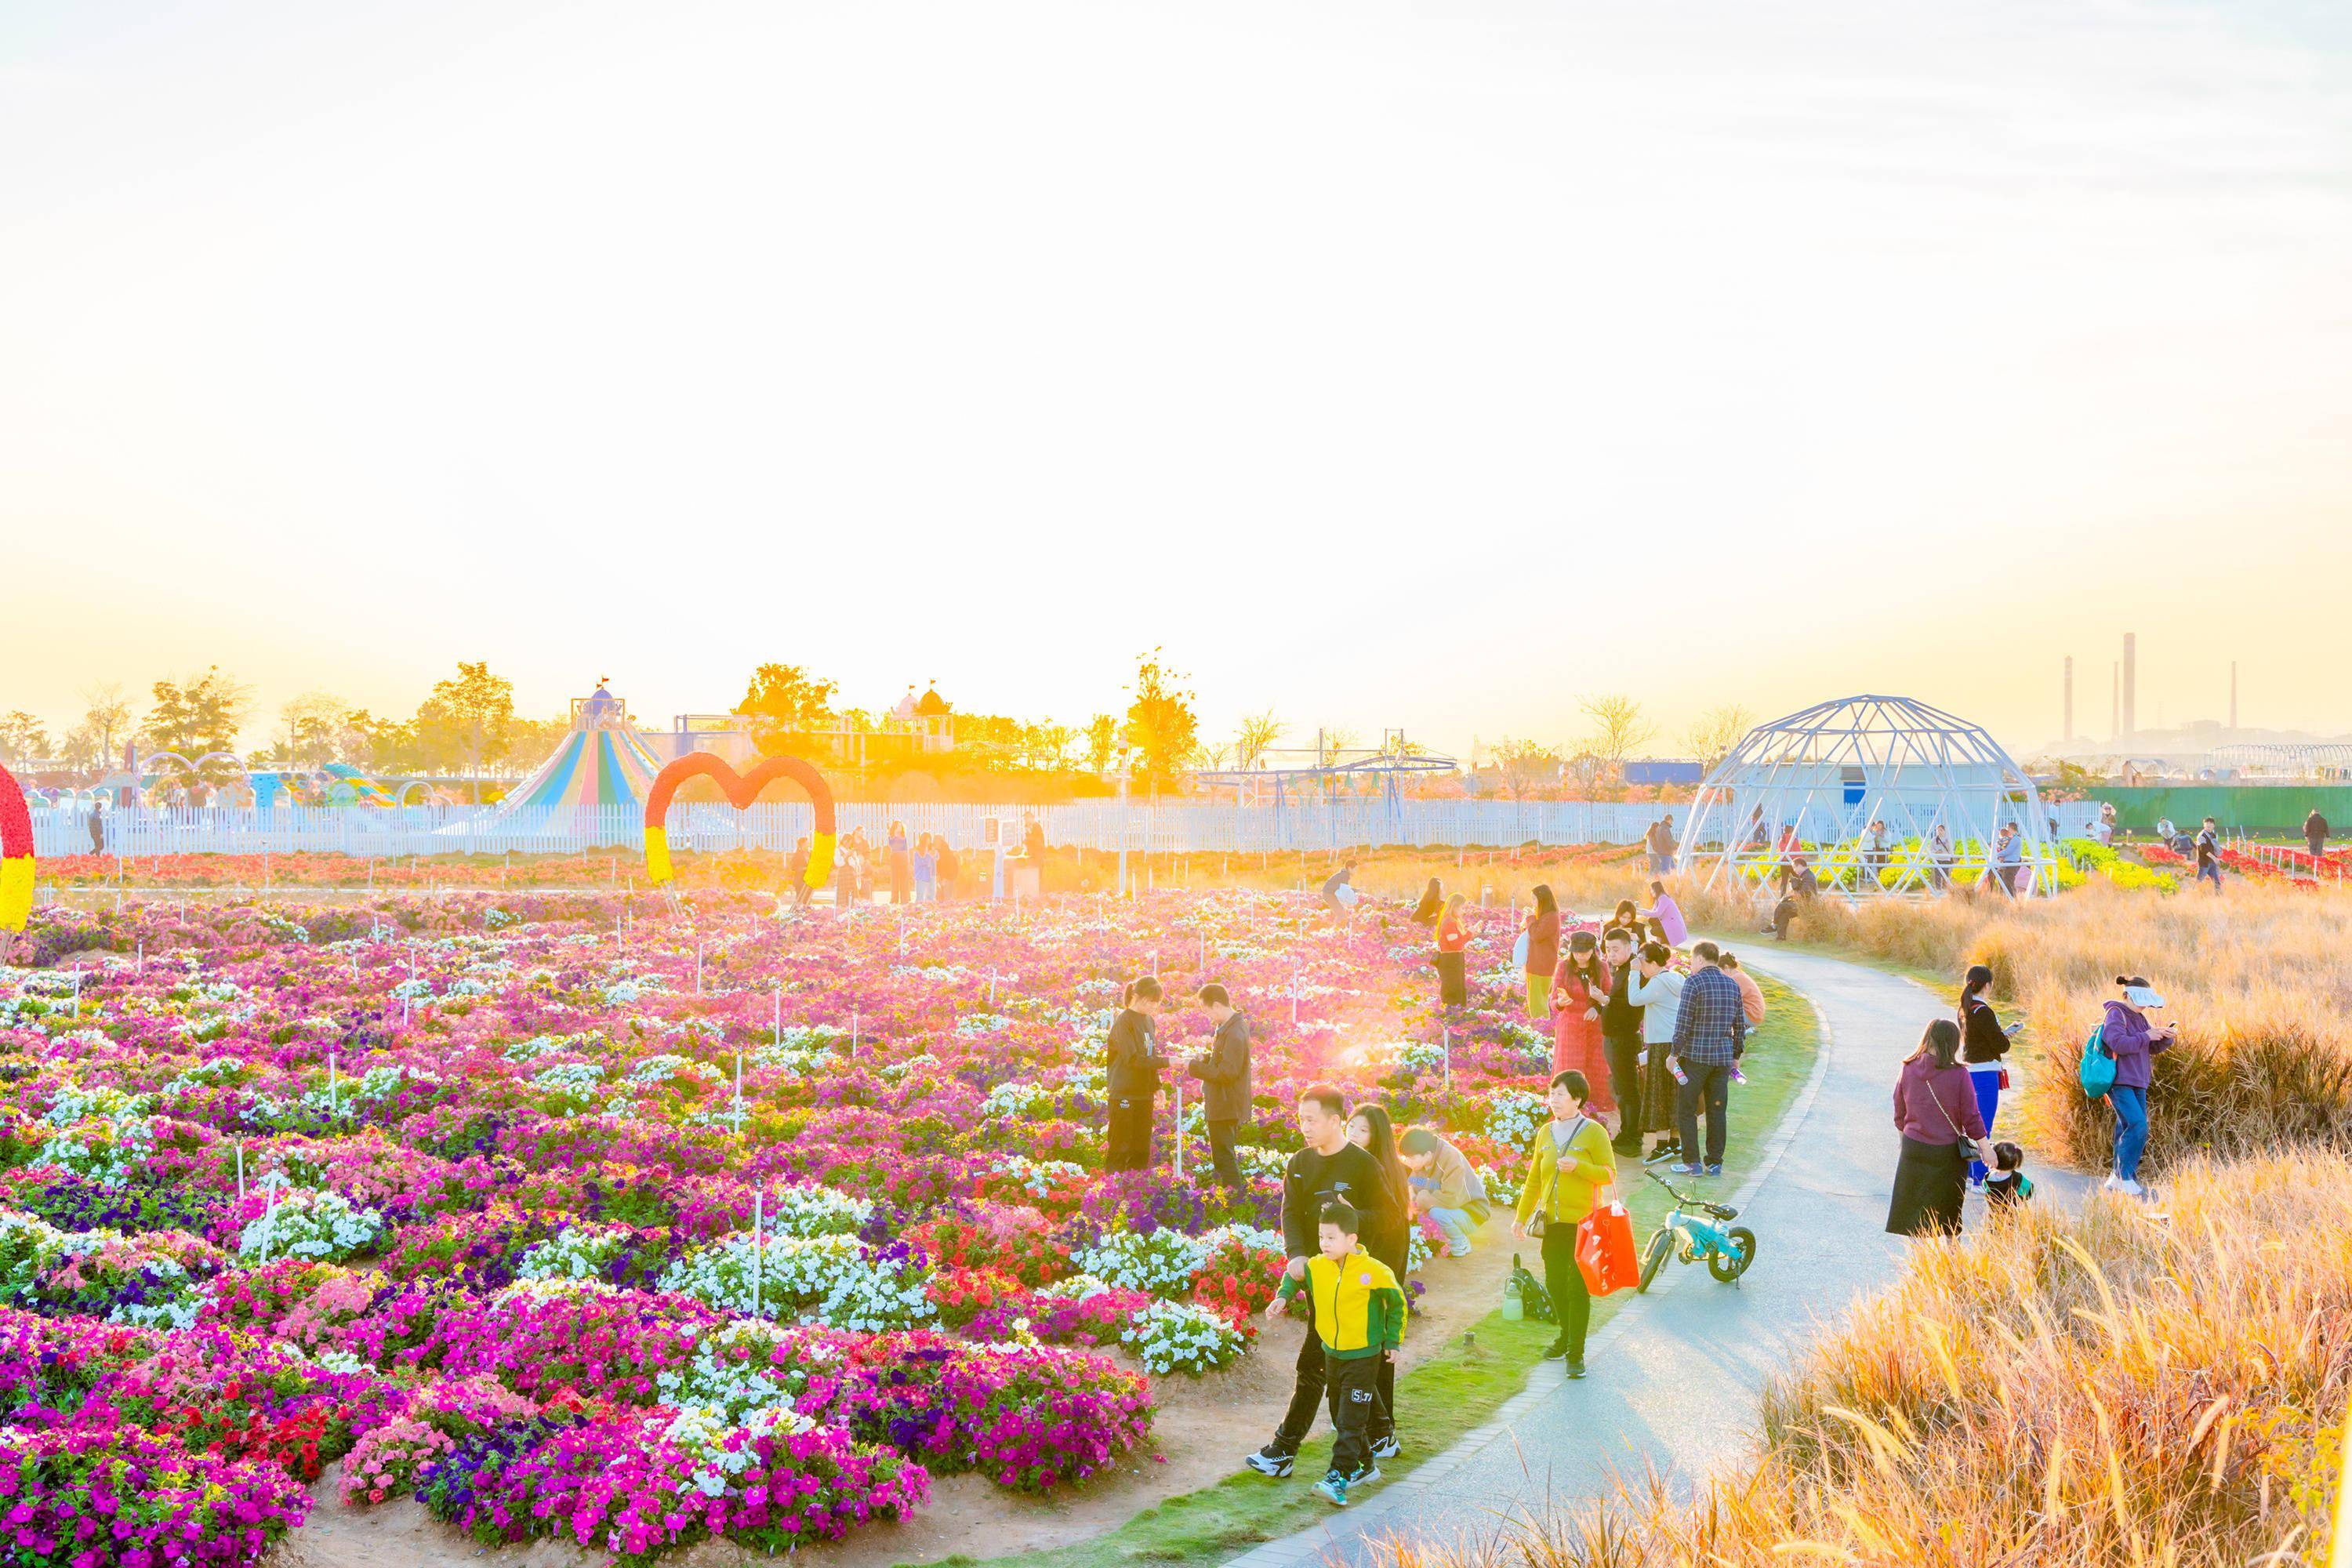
x,y
1578,992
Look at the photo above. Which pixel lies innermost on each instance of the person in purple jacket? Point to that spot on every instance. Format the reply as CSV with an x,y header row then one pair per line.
x,y
2134,1043
1935,1107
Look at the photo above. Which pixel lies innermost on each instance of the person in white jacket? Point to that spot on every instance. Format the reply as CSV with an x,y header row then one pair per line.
x,y
1658,991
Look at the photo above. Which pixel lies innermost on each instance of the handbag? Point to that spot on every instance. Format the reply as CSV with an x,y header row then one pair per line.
x,y
1519,952
1541,1224
1969,1150
1605,1247
2097,1070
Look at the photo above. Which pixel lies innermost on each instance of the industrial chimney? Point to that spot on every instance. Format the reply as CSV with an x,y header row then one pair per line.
x,y
2131,684
2233,696
2069,731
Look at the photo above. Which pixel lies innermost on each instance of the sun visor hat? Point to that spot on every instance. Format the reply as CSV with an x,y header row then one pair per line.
x,y
2142,997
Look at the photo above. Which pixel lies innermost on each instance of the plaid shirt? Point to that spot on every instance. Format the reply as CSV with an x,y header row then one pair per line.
x,y
1711,1025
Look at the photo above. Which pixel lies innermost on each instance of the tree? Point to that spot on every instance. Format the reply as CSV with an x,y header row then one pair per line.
x,y
202,713
1337,738
1714,732
1102,742
1525,767
783,701
468,721
1255,738
1160,725
1618,729
105,721
22,739
311,731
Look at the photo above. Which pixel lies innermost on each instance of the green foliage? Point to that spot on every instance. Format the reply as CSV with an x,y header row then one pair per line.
x,y
1160,725
785,701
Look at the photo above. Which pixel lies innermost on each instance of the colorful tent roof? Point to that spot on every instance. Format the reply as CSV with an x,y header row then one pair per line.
x,y
603,762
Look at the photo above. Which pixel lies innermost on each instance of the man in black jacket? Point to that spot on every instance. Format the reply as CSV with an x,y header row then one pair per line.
x,y
1133,1079
1225,1070
1621,1040
1328,1170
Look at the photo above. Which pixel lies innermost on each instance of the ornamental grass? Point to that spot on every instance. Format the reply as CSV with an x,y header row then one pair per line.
x,y
2105,1390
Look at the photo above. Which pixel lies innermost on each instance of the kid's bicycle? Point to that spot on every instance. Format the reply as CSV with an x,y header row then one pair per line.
x,y
1690,1233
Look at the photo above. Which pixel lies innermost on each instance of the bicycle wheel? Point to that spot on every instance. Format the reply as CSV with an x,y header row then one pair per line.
x,y
1728,1268
1655,1260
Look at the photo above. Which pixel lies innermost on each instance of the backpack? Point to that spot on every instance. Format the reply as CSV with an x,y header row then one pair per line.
x,y
2098,1069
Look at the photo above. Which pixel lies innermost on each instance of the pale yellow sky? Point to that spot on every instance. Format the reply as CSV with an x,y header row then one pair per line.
x,y
1390,364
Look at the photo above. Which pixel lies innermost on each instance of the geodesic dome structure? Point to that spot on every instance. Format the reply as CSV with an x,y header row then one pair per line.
x,y
1808,789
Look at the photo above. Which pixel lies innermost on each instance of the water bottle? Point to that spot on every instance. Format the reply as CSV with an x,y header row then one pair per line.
x,y
1513,1308
1675,1066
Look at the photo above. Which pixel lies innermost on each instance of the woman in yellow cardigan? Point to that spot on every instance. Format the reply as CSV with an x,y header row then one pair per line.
x,y
1570,1164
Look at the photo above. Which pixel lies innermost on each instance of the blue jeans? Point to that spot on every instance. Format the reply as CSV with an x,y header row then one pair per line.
x,y
1455,1223
2211,871
2131,1129
1988,1087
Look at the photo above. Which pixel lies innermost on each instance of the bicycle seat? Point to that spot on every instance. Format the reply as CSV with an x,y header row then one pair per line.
x,y
1722,1211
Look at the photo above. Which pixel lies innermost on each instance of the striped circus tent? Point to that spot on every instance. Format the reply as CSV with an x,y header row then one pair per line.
x,y
602,763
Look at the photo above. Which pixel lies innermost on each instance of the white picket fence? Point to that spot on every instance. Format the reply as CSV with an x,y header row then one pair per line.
x,y
1105,825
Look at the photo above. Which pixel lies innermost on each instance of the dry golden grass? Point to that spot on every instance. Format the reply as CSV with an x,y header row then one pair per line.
x,y
2101,1391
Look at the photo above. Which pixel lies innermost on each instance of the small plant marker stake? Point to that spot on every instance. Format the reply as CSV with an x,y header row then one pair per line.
x,y
777,1028
739,1094
330,1086
759,1254
991,987
1180,1129
240,1174
1449,1060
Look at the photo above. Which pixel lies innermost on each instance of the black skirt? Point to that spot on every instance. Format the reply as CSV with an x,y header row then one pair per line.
x,y
1453,983
1929,1182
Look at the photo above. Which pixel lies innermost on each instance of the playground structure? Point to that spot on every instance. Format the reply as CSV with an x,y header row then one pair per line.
x,y
604,767
1335,773
1805,789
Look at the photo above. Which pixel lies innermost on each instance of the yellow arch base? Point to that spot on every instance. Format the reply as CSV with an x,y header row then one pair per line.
x,y
16,891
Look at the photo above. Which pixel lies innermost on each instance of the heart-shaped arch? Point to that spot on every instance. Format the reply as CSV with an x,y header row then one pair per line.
x,y
16,855
742,790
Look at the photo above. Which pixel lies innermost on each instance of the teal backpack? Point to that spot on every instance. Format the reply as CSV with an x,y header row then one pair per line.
x,y
2098,1069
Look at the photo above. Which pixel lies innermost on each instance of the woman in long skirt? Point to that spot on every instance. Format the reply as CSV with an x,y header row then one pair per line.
x,y
1934,1108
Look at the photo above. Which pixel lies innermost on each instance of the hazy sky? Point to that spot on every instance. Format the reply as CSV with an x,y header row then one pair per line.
x,y
1412,364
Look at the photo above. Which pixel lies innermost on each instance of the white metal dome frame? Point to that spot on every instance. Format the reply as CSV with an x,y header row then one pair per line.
x,y
1807,787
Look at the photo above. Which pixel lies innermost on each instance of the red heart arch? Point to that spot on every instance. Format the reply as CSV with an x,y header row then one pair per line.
x,y
742,790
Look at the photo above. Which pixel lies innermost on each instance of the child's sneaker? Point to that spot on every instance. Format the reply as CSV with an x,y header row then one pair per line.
x,y
1681,1169
1716,1169
1387,1447
1270,1461
1366,1474
1333,1489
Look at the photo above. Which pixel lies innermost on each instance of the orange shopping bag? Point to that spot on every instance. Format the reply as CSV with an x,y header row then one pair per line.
x,y
1604,1248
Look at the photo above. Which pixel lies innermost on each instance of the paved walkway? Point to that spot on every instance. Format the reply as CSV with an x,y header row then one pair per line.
x,y
1675,1376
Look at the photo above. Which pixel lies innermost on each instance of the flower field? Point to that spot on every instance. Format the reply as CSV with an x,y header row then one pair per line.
x,y
631,1224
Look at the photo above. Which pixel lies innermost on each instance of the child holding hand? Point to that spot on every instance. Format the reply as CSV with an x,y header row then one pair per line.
x,y
1359,1313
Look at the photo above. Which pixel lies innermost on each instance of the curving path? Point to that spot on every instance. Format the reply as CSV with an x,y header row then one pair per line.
x,y
1675,1376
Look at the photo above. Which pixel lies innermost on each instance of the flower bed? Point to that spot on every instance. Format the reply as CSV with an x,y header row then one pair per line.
x,y
630,1225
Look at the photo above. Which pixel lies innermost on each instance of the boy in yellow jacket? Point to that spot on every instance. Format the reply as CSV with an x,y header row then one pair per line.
x,y
1359,1313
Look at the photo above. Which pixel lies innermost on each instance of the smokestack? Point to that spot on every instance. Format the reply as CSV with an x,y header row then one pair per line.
x,y
2233,694
2115,701
2131,684
2070,700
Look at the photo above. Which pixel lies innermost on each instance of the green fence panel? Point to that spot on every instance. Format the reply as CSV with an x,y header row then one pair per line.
x,y
2255,808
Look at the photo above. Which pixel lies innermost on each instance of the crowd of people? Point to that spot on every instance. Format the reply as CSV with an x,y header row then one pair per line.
x,y
1647,1032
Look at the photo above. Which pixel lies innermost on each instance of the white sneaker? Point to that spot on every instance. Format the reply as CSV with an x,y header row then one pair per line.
x,y
2131,1189
2110,1185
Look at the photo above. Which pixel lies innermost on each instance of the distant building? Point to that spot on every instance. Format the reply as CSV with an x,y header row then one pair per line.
x,y
927,719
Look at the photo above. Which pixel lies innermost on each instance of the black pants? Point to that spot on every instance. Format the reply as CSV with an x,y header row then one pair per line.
x,y
1127,1145
1709,1084
1306,1391
1221,1152
1625,1083
1565,1281
1354,1383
